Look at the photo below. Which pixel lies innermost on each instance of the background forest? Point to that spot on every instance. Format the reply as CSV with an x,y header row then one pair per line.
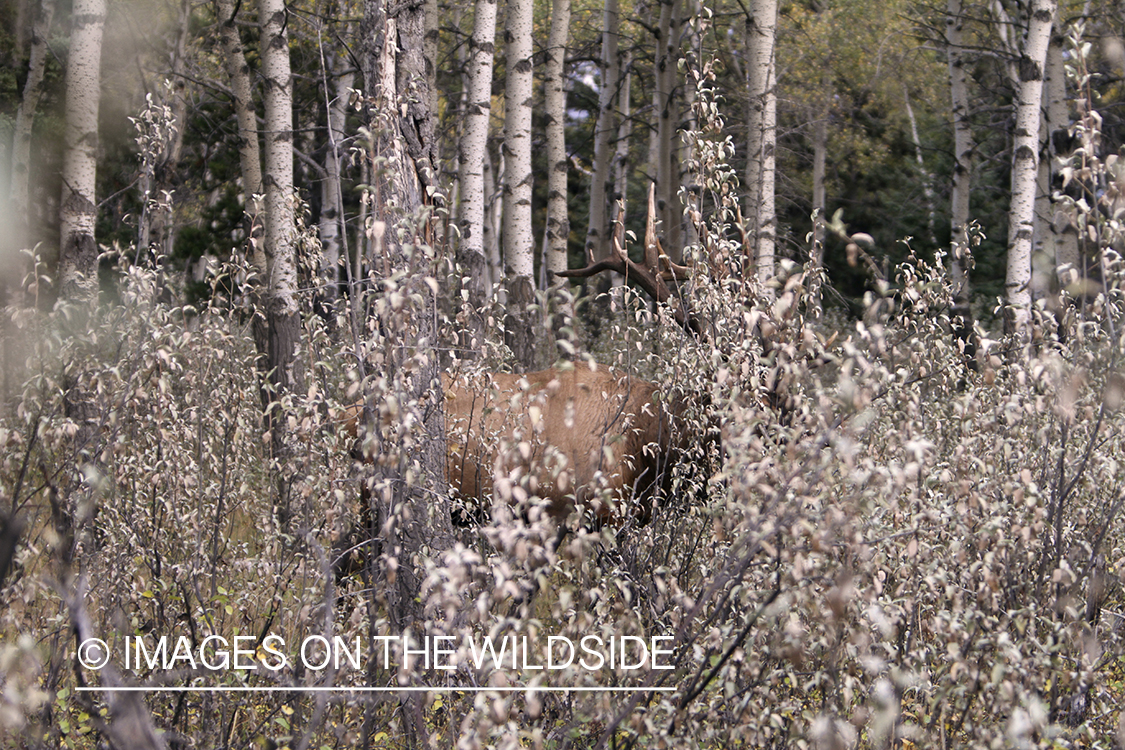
x,y
867,254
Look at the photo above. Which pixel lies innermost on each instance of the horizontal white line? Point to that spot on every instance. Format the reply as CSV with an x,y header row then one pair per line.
x,y
275,689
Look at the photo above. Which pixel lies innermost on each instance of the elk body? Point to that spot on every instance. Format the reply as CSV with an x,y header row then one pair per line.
x,y
564,436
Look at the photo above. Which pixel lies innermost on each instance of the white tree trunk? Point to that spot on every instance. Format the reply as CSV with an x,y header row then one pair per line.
x,y
475,224
493,206
342,77
474,140
1055,224
278,153
558,221
597,232
156,229
927,178
691,38
762,128
78,256
962,153
1025,165
669,207
175,147
249,154
819,200
281,305
460,113
624,134
519,240
25,117
960,261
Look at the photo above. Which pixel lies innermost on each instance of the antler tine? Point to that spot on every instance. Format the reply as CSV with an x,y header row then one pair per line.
x,y
655,258
618,241
674,270
649,276
653,250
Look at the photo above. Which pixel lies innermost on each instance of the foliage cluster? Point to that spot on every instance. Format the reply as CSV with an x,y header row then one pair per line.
x,y
897,543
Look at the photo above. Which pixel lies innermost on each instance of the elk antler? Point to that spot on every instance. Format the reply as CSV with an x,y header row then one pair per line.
x,y
649,277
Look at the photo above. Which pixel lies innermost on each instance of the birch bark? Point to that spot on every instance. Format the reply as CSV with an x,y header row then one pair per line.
x,y
249,153
332,232
819,202
25,118
474,154
963,146
78,254
1056,230
597,232
519,240
667,187
281,302
624,134
558,220
1025,166
761,34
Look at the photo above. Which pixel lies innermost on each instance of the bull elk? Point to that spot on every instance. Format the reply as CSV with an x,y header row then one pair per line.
x,y
564,436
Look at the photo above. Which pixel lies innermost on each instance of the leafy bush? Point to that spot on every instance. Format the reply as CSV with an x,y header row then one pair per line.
x,y
872,538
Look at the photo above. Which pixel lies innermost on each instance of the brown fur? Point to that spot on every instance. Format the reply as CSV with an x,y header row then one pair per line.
x,y
560,435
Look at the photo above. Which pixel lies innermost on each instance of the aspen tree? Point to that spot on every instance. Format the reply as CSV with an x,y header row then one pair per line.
x,y
558,221
1025,165
963,145
78,255
25,117
761,30
474,162
597,232
249,152
519,240
282,315
410,471
341,77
